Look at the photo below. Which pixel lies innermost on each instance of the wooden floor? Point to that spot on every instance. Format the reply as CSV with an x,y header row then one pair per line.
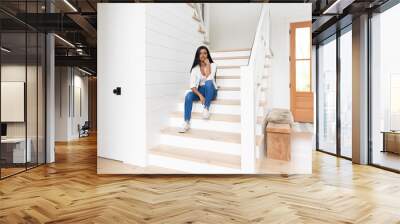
x,y
387,159
70,191
5,172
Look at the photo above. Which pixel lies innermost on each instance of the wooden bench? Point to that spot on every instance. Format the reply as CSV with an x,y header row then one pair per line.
x,y
278,144
278,141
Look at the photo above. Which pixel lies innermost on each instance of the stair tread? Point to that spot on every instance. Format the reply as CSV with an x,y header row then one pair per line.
x,y
223,102
201,30
262,103
228,137
230,57
204,134
228,77
231,50
226,102
194,155
215,116
228,66
227,88
195,18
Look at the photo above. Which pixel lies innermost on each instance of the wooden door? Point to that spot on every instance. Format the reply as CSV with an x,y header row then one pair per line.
x,y
301,95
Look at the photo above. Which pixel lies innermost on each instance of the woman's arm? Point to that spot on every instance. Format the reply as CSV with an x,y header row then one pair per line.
x,y
213,70
202,99
193,86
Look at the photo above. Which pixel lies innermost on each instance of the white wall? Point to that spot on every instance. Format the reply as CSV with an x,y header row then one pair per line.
x,y
62,81
171,43
281,17
121,63
147,49
66,121
233,25
81,115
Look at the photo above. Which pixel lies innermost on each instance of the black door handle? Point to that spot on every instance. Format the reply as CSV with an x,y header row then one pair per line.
x,y
117,91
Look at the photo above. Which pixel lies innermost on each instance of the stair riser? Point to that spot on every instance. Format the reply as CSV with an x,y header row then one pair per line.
x,y
230,54
228,82
228,71
214,108
200,144
189,166
217,108
233,127
231,62
223,94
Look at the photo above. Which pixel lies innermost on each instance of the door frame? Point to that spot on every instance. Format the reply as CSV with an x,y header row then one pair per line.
x,y
292,61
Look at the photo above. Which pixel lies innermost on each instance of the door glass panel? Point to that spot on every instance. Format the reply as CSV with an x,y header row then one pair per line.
x,y
385,88
346,94
13,87
327,97
31,101
303,43
395,102
303,76
41,98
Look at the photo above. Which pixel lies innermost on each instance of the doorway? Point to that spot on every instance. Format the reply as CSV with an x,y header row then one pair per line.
x,y
301,95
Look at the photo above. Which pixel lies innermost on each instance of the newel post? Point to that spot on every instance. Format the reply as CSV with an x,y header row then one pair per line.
x,y
247,119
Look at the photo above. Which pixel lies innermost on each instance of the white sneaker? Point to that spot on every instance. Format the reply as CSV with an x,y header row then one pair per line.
x,y
206,114
185,127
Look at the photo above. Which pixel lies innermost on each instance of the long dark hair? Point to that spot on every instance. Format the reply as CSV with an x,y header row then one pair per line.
x,y
197,56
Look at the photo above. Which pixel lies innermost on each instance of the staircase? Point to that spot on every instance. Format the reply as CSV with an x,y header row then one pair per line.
x,y
211,146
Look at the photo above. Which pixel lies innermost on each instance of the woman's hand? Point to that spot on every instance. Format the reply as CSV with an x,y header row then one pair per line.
x,y
202,99
206,61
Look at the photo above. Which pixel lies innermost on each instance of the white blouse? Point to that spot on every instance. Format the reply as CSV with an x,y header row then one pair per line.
x,y
197,79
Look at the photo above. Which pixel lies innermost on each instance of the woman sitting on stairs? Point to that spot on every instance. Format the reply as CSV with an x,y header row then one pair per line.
x,y
202,85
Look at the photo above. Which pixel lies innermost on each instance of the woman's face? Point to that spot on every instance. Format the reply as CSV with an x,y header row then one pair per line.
x,y
203,54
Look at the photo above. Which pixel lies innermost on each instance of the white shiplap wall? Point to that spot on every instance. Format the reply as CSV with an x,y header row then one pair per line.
x,y
171,41
147,49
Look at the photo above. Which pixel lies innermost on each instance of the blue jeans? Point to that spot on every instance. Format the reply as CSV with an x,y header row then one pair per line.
x,y
208,91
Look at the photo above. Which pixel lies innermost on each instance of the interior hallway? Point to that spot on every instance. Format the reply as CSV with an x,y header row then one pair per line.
x,y
70,191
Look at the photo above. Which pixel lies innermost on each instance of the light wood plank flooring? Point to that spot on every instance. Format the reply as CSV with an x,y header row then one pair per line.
x,y
70,191
387,159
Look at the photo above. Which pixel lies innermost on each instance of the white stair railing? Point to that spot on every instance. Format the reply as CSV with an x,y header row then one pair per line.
x,y
198,10
250,83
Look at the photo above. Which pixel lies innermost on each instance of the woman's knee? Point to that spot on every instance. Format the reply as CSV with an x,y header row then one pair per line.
x,y
209,84
189,96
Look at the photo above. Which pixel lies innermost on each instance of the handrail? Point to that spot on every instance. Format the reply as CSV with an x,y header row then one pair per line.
x,y
255,35
250,83
198,11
